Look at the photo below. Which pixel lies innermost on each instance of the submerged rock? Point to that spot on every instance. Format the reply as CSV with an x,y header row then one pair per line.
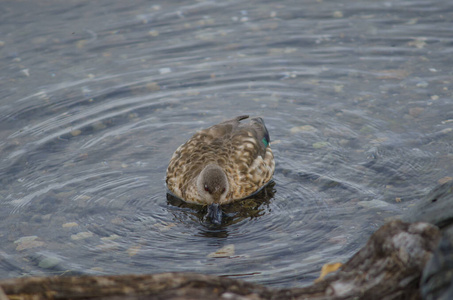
x,y
28,242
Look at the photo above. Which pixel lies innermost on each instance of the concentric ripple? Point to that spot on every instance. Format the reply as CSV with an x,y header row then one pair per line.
x,y
97,95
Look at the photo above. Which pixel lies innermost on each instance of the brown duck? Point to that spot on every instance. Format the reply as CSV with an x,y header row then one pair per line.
x,y
223,163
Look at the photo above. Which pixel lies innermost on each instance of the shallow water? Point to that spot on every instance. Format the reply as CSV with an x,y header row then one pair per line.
x,y
95,97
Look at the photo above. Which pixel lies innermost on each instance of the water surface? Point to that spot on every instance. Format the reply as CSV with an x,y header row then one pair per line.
x,y
96,96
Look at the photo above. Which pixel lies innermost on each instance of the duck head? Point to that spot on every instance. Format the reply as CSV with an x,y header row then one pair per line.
x,y
212,186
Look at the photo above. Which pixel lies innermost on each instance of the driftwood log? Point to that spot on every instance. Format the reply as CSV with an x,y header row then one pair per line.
x,y
389,266
437,208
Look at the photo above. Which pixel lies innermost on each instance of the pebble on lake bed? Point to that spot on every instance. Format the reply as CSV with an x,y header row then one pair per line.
x,y
81,235
26,72
69,225
28,242
225,251
303,128
338,88
108,246
164,70
418,43
76,132
415,111
319,145
373,204
134,250
444,180
111,237
152,86
153,33
164,227
98,126
337,14
49,262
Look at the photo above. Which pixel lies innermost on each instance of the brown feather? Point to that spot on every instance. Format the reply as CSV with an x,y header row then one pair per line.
x,y
235,147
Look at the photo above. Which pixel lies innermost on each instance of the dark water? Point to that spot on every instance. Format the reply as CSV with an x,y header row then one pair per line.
x,y
96,95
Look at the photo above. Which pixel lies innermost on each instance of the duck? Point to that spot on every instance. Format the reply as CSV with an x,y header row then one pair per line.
x,y
226,162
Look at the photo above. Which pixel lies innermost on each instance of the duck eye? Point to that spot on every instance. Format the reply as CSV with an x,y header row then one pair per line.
x,y
206,188
223,190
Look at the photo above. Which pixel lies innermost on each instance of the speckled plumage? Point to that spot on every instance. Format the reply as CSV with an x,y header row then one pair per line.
x,y
241,150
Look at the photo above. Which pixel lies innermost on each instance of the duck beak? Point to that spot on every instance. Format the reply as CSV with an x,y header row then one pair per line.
x,y
215,213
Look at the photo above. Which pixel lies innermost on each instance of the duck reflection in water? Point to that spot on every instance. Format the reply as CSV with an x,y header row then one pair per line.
x,y
221,165
252,207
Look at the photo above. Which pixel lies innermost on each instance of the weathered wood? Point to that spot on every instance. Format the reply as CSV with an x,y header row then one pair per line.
x,y
437,208
437,278
388,267
390,264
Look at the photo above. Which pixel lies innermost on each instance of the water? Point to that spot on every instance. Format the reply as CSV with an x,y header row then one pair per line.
x,y
96,96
